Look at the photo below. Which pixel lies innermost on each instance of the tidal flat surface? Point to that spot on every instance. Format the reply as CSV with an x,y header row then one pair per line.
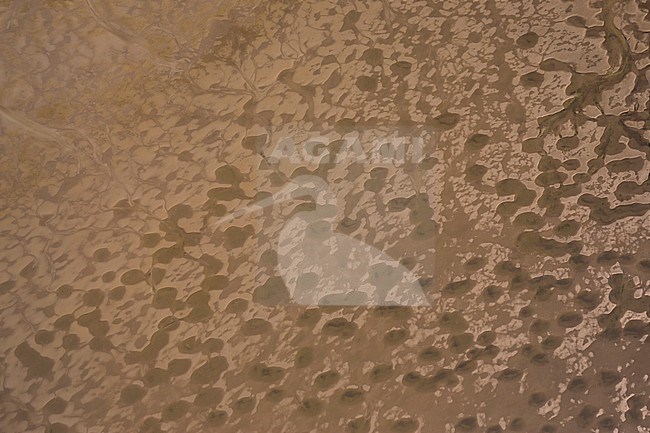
x,y
144,288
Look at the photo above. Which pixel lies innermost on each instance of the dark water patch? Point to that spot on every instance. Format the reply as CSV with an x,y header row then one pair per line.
x,y
381,373
339,327
586,415
533,242
131,394
304,357
178,367
210,371
265,373
609,377
532,79
55,406
243,405
527,40
70,342
477,141
351,396
486,338
474,173
567,228
43,337
603,214
207,397
551,342
411,378
492,293
37,364
539,326
453,321
466,366
359,425
533,145
228,174
174,411
444,121
395,336
537,399
467,424
132,277
430,355
517,424
588,299
404,425
458,288
578,384
272,292
216,418
566,144
326,379
569,319
509,374
309,317
275,395
256,326
460,343
475,263
311,407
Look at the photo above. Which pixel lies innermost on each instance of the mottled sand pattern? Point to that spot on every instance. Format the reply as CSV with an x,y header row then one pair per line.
x,y
130,128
